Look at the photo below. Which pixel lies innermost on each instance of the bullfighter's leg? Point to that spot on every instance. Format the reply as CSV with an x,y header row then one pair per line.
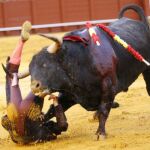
x,y
16,56
146,75
105,105
8,82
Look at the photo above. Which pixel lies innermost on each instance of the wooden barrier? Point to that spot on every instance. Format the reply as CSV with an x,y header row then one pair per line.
x,y
104,9
47,11
14,12
146,5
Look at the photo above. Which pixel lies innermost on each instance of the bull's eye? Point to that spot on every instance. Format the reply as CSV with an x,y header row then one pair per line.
x,y
44,65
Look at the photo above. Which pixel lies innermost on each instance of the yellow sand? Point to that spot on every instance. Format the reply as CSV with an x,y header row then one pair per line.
x,y
128,127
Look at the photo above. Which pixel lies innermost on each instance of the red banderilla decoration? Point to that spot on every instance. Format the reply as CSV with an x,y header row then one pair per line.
x,y
124,44
93,34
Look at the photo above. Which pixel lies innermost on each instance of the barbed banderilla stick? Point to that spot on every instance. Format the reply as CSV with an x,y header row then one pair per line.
x,y
129,48
93,34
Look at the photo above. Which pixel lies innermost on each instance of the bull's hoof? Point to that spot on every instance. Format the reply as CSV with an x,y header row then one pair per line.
x,y
25,32
115,105
101,136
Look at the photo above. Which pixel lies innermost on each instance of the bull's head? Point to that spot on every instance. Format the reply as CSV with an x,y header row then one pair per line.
x,y
46,70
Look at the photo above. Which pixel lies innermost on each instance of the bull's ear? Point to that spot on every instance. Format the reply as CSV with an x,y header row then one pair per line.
x,y
57,42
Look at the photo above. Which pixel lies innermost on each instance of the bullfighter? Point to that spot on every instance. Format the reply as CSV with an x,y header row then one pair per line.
x,y
24,120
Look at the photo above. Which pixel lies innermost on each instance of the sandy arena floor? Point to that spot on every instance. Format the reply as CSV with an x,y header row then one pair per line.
x,y
128,127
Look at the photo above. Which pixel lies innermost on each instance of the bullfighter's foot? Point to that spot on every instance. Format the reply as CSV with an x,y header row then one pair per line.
x,y
25,32
7,63
10,68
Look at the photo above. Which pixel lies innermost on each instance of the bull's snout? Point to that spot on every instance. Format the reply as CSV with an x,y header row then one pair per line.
x,y
35,86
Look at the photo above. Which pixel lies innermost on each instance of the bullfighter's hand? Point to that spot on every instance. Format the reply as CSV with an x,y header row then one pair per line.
x,y
54,97
44,93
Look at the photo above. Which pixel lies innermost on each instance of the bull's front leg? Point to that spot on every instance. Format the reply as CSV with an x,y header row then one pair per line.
x,y
108,92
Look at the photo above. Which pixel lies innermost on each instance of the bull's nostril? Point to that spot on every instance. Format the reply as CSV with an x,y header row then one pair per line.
x,y
37,85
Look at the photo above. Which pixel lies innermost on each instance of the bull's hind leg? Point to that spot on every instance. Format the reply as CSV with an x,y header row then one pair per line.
x,y
95,115
103,113
108,93
146,75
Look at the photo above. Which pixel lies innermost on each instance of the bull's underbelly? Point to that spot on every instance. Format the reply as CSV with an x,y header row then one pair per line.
x,y
124,83
89,104
90,100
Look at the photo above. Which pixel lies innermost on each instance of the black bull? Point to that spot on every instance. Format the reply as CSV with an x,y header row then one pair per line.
x,y
93,75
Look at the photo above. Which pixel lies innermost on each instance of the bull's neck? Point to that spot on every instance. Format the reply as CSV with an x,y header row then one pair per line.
x,y
74,57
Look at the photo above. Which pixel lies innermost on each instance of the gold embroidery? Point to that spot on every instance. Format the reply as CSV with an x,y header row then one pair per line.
x,y
34,112
12,112
6,122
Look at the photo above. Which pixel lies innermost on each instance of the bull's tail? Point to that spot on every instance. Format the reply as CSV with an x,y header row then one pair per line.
x,y
137,9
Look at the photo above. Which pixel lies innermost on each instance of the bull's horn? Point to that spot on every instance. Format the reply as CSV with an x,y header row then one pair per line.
x,y
53,37
20,75
23,74
53,47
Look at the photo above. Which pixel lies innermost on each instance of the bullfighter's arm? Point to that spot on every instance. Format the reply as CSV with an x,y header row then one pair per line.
x,y
60,115
65,100
61,122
